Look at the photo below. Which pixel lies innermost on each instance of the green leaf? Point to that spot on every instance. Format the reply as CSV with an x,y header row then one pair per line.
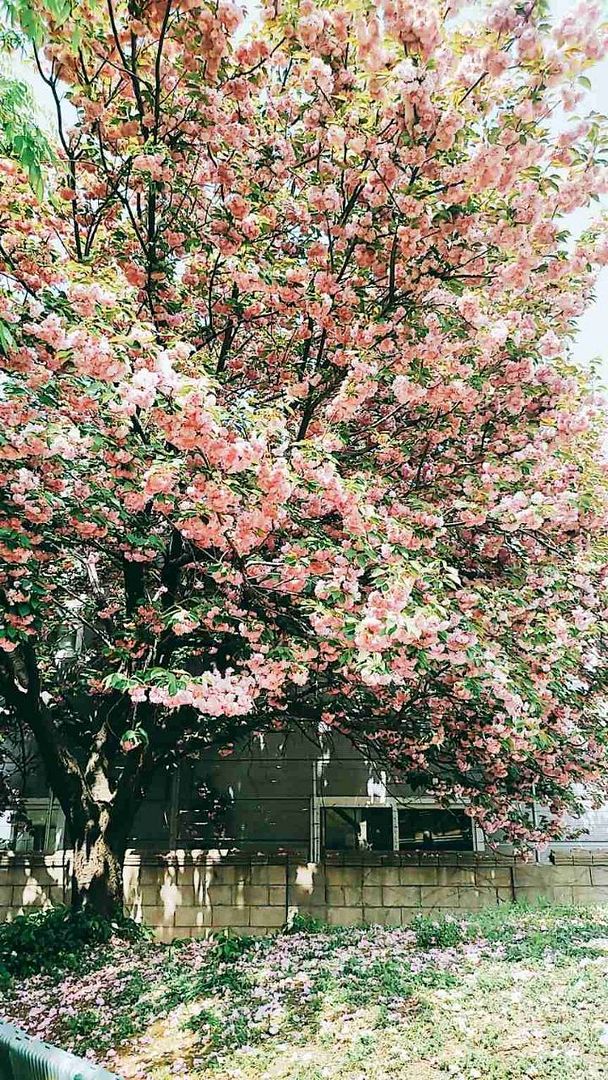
x,y
7,341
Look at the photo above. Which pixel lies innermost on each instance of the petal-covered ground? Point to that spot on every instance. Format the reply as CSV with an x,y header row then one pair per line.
x,y
504,995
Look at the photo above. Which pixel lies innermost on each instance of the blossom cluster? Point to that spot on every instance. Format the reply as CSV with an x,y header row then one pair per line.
x,y
290,423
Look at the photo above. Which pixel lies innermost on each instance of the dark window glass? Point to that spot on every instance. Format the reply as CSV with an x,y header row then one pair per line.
x,y
270,823
434,830
30,836
251,805
365,828
39,837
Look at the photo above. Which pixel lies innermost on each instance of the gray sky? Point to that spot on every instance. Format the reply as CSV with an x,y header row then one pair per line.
x,y
591,338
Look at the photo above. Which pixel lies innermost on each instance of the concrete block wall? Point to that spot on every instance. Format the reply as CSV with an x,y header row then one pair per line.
x,y
31,882
190,893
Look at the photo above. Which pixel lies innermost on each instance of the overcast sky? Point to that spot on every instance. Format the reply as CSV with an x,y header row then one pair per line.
x,y
591,338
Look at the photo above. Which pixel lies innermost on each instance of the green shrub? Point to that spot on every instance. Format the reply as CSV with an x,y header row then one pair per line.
x,y
441,931
302,923
84,1024
55,939
229,946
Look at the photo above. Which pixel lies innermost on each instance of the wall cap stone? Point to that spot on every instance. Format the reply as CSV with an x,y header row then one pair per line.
x,y
578,856
205,857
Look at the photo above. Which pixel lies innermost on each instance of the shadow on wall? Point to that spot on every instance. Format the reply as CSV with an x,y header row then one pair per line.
x,y
189,893
32,881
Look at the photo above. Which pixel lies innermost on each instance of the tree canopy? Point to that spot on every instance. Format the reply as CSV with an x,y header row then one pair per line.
x,y
291,430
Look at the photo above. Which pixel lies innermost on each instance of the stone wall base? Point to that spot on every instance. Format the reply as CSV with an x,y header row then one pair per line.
x,y
190,893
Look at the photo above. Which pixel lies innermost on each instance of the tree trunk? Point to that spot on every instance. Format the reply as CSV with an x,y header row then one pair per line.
x,y
97,877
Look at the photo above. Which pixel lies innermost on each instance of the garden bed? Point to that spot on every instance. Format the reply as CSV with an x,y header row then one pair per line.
x,y
511,993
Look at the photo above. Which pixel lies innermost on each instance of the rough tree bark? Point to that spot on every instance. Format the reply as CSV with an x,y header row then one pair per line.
x,y
99,808
98,852
98,785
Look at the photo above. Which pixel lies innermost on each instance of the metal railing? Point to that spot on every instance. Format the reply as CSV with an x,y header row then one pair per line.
x,y
25,1058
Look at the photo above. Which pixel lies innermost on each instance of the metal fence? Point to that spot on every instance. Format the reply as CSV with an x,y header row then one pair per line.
x,y
25,1058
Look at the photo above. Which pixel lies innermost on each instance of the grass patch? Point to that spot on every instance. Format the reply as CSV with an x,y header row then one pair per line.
x,y
508,994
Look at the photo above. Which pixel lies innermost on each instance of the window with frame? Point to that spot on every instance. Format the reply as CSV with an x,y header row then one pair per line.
x,y
435,829
42,829
31,835
357,828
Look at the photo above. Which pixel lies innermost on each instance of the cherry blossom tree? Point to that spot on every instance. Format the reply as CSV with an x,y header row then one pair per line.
x,y
291,430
